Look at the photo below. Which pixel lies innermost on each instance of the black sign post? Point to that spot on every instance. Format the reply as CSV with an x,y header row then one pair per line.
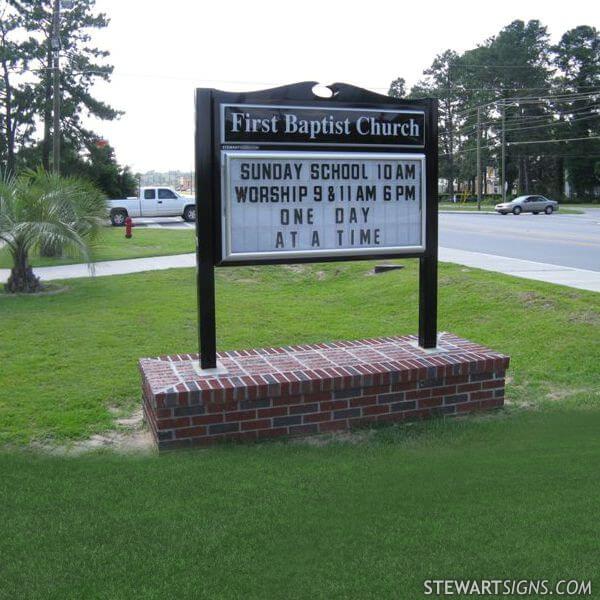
x,y
286,176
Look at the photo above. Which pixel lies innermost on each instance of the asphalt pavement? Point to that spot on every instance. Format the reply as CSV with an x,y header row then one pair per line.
x,y
564,240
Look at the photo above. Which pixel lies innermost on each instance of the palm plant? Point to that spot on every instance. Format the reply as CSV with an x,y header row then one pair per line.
x,y
39,208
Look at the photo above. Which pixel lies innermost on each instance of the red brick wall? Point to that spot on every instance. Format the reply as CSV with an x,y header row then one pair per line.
x,y
188,415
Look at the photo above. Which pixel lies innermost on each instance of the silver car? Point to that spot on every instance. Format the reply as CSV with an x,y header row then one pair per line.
x,y
533,204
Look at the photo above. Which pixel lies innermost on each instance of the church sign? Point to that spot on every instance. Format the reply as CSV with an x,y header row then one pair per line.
x,y
289,176
286,176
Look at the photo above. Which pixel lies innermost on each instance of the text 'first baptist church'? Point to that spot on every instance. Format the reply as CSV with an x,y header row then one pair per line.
x,y
290,123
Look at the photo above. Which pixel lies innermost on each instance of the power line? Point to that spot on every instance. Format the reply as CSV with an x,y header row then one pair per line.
x,y
460,88
533,100
496,146
537,98
557,122
470,111
540,125
469,150
272,83
581,109
479,66
554,98
527,119
586,155
591,137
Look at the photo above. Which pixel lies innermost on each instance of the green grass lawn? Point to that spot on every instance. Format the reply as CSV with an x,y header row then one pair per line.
x,y
509,495
113,245
465,206
488,498
67,358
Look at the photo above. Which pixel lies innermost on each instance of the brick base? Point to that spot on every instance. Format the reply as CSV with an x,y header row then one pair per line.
x,y
309,389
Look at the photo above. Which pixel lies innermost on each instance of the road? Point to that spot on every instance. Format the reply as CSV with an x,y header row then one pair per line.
x,y
566,240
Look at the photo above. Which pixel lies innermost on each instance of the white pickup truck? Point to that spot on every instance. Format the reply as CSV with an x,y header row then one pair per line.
x,y
153,202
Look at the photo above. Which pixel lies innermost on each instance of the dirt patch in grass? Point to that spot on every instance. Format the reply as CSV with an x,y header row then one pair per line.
x,y
512,404
49,289
557,394
295,268
130,437
587,317
535,300
358,436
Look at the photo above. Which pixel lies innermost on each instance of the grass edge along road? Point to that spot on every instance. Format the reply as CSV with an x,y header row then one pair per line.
x,y
113,245
485,207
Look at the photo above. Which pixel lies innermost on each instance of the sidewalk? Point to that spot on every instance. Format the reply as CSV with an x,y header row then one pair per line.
x,y
111,267
569,276
576,278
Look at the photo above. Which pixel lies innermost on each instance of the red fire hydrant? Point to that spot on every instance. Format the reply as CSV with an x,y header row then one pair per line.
x,y
128,226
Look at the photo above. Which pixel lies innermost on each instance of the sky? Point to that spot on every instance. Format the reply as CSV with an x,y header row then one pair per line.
x,y
163,51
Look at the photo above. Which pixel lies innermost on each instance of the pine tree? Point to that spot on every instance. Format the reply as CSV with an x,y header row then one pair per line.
x,y
578,58
16,93
81,65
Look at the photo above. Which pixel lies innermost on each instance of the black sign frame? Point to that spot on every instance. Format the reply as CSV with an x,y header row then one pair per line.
x,y
208,147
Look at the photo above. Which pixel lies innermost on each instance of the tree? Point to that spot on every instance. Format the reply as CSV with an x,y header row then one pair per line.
x,y
39,208
545,94
81,66
96,163
102,168
397,88
577,55
16,94
439,83
513,67
503,69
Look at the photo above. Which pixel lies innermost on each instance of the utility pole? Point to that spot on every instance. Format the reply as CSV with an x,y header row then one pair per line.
x,y
450,115
55,42
478,186
503,175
